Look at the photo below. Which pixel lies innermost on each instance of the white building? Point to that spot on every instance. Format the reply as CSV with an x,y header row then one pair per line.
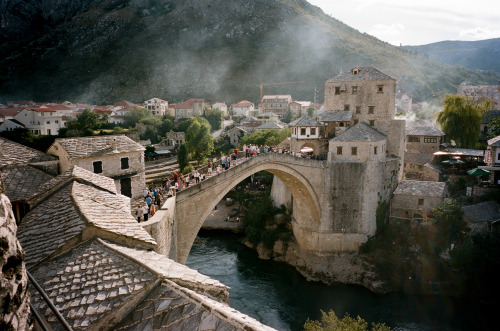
x,y
41,121
157,106
305,128
220,106
243,108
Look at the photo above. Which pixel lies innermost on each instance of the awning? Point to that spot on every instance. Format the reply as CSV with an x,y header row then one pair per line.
x,y
306,150
163,152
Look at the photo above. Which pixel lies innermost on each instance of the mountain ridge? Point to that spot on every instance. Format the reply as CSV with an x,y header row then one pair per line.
x,y
215,49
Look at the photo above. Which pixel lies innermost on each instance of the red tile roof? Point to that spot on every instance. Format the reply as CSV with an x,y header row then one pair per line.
x,y
242,103
42,110
10,112
188,104
57,107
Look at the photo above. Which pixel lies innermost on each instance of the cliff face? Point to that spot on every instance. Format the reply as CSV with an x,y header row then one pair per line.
x,y
14,296
102,51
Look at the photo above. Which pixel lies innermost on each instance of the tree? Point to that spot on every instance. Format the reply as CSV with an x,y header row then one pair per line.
x,y
288,116
214,117
265,137
182,156
460,119
135,115
330,322
199,141
310,111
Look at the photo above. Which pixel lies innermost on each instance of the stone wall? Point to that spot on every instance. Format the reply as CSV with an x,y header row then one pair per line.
x,y
280,194
14,297
161,227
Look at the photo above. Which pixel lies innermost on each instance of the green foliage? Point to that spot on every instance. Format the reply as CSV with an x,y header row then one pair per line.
x,y
135,116
167,124
330,322
288,116
266,137
310,111
25,137
187,169
460,120
151,133
182,156
151,121
449,220
214,117
199,141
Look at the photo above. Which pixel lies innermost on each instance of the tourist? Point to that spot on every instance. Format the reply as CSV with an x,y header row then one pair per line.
x,y
139,212
145,210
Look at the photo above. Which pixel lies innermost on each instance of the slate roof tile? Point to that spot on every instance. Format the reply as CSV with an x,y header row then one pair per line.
x,y
349,76
423,131
482,212
336,116
22,181
421,188
360,132
98,145
305,121
14,153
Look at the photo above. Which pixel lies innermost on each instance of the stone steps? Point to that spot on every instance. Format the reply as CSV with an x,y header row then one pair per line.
x,y
157,171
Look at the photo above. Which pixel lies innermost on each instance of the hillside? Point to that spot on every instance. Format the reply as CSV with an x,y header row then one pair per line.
x,y
481,54
108,50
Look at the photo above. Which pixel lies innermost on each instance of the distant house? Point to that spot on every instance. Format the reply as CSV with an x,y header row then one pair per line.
x,y
300,107
242,108
267,117
189,108
176,138
41,121
277,104
403,102
421,144
482,218
117,157
492,159
157,106
480,92
220,106
415,200
335,122
485,124
269,126
234,135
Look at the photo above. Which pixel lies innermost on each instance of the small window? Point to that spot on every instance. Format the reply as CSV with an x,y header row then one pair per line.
x,y
303,131
339,150
57,122
380,88
372,122
97,167
354,90
413,139
337,90
358,109
48,122
354,151
375,150
313,131
356,122
124,162
371,109
346,107
420,202
430,139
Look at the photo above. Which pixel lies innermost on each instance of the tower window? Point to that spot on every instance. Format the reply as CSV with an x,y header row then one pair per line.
x,y
339,150
97,167
354,151
371,109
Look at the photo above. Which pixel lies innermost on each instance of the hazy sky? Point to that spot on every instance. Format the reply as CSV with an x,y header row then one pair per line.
x,y
418,22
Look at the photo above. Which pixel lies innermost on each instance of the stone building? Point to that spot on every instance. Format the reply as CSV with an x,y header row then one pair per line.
x,y
24,170
267,117
158,107
189,108
270,126
221,106
234,135
118,157
403,102
421,144
305,133
98,265
415,200
482,218
243,108
370,95
176,138
335,122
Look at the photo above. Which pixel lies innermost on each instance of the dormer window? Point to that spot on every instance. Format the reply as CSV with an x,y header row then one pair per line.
x,y
355,71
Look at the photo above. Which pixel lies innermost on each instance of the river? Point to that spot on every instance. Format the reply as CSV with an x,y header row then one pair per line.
x,y
277,295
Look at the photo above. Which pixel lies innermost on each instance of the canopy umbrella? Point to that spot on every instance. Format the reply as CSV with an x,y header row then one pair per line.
x,y
478,172
453,161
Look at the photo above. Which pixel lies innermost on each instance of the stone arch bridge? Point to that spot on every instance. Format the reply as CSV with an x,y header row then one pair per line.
x,y
334,203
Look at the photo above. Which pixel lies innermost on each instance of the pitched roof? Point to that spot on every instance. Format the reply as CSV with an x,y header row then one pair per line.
x,y
490,115
14,153
124,103
248,120
10,112
242,103
42,110
360,132
421,188
270,126
364,73
336,116
482,212
423,131
22,181
98,145
494,142
305,121
276,96
55,106
188,104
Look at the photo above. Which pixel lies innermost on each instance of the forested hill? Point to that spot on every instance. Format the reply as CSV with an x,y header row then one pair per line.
x,y
481,54
100,51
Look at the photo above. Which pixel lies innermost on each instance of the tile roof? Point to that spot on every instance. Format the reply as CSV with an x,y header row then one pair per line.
x,y
42,110
248,120
270,126
360,132
336,116
277,96
365,73
494,142
490,115
482,212
22,181
305,121
421,188
10,112
188,104
14,153
89,284
98,145
81,174
423,131
124,103
242,103
54,106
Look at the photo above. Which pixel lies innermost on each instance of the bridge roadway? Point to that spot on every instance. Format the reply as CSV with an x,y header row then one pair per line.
x,y
303,177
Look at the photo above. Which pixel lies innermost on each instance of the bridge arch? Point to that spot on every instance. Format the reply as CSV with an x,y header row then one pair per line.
x,y
194,204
